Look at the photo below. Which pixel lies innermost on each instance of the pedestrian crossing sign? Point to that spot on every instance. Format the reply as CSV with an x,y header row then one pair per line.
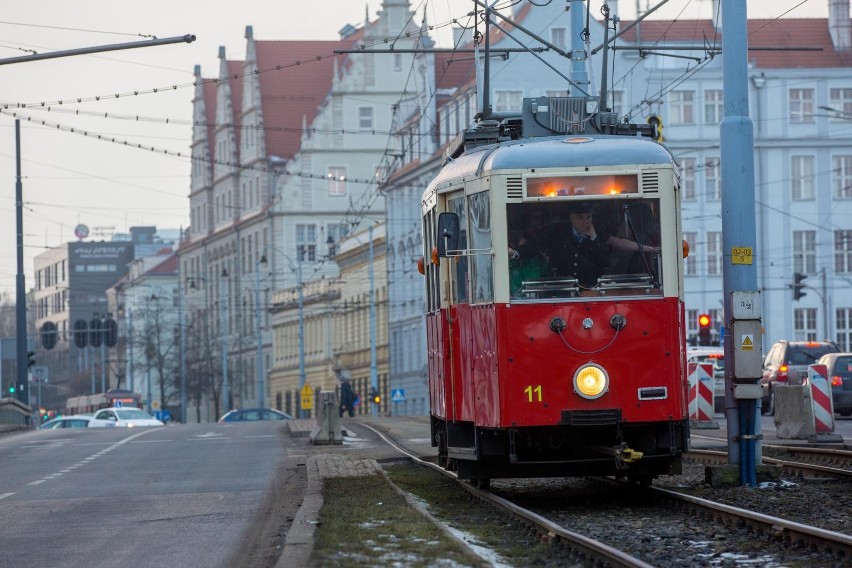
x,y
397,395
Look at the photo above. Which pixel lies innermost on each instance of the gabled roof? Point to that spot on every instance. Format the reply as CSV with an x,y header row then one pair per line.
x,y
167,266
295,91
783,32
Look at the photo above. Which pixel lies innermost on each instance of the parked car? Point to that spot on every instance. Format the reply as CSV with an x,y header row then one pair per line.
x,y
840,378
713,356
73,421
251,414
787,362
123,416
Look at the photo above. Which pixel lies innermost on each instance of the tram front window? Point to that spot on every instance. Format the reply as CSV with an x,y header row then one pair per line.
x,y
584,248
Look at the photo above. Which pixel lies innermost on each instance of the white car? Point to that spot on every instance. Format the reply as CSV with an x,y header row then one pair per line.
x,y
73,421
124,416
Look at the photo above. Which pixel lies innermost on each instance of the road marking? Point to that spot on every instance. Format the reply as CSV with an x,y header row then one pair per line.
x,y
150,441
6,495
89,459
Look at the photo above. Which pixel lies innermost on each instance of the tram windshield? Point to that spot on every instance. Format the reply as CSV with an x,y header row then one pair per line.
x,y
584,248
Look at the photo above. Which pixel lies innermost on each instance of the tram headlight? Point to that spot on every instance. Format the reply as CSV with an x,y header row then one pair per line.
x,y
591,381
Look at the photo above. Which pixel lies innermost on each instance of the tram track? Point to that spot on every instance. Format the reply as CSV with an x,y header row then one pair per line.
x,y
799,468
671,511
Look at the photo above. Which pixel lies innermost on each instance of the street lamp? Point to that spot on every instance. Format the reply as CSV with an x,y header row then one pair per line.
x,y
224,331
261,395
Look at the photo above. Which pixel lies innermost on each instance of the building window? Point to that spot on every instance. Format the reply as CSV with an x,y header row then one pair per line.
x,y
397,62
682,107
801,105
687,180
617,100
306,242
841,175
691,322
365,118
843,251
557,37
714,253
713,179
804,324
804,251
507,101
714,106
690,263
802,177
844,328
840,100
335,232
336,180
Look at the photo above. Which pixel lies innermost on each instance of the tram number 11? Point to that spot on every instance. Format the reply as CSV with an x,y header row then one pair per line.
x,y
533,392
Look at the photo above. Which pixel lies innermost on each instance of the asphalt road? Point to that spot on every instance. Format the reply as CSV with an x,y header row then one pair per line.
x,y
169,496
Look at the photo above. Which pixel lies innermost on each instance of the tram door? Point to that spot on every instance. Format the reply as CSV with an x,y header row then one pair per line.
x,y
459,300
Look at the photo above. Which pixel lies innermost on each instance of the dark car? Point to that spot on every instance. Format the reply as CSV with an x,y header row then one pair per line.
x,y
840,378
251,414
787,362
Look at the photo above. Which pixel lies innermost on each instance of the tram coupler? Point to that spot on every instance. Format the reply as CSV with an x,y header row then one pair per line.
x,y
622,454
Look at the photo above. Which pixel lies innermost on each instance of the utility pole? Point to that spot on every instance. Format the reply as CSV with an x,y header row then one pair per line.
x,y
742,303
23,390
374,379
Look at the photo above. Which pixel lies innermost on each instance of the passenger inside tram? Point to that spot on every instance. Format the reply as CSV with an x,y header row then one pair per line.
x,y
583,247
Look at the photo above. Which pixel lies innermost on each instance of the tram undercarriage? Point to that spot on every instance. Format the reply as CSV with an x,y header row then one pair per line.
x,y
639,451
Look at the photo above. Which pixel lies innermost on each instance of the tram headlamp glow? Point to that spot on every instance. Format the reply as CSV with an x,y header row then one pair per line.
x,y
591,381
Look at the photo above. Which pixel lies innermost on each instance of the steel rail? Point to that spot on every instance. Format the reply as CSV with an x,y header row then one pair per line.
x,y
801,468
589,548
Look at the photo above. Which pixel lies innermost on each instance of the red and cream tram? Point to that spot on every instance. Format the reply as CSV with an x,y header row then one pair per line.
x,y
555,314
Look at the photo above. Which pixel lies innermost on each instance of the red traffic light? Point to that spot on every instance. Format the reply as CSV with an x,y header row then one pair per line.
x,y
704,320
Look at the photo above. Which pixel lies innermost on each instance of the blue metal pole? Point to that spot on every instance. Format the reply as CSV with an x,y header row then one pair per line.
x,y
182,341
224,331
130,382
261,398
301,330
578,64
374,379
738,207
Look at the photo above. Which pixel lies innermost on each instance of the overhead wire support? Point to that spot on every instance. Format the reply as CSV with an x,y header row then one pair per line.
x,y
533,35
189,38
635,22
531,51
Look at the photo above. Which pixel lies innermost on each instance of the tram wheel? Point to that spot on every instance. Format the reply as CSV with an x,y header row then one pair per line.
x,y
644,480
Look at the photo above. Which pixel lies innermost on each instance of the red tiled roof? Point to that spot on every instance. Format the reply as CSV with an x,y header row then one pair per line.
x,y
783,32
168,266
293,92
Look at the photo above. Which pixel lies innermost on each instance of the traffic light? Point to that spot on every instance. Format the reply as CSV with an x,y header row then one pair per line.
x,y
798,285
96,332
81,333
375,397
657,123
110,332
30,359
12,387
48,335
704,329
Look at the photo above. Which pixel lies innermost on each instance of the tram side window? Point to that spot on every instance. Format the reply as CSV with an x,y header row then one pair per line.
x,y
459,271
480,241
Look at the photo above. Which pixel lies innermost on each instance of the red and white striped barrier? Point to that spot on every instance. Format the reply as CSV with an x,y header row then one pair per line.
x,y
700,392
821,401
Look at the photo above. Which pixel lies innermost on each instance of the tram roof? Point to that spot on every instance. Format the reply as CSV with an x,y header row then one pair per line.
x,y
566,151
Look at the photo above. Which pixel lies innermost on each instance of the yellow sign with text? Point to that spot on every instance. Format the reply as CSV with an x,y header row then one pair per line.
x,y
307,398
741,255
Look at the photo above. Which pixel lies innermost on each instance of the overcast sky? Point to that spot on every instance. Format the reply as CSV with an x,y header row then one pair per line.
x,y
70,179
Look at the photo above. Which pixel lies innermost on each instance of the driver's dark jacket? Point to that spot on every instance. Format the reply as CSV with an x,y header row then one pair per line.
x,y
585,259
